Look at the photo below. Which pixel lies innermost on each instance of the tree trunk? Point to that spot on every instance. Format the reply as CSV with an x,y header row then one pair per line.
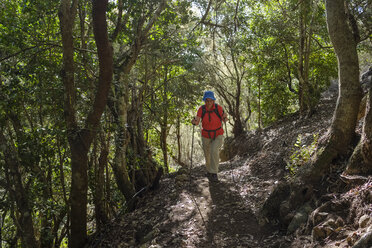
x,y
306,100
81,139
119,165
148,168
99,186
19,195
163,143
345,116
361,159
46,235
300,63
164,121
178,135
344,120
238,127
259,103
46,238
233,109
78,195
120,108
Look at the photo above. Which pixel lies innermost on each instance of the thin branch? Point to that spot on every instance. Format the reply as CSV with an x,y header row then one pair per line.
x,y
236,16
208,23
204,16
121,22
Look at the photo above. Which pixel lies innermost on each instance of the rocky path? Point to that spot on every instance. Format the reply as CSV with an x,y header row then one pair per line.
x,y
191,211
219,215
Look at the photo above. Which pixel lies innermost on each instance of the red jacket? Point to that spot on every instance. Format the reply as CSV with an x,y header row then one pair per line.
x,y
213,124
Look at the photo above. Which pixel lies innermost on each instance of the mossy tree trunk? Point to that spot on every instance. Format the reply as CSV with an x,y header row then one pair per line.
x,y
139,156
120,104
119,164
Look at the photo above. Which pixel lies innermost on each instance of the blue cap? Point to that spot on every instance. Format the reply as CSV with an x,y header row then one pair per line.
x,y
208,94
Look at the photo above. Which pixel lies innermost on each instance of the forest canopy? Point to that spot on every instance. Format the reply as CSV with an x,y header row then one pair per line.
x,y
97,96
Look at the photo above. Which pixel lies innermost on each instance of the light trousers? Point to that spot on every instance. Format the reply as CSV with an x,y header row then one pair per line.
x,y
211,148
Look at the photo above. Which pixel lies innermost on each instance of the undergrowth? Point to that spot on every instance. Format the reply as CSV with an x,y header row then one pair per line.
x,y
301,153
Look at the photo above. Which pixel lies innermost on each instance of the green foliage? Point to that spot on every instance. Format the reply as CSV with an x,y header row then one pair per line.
x,y
180,58
301,153
274,39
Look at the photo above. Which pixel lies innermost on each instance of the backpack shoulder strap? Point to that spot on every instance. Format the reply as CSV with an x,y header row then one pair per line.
x,y
204,110
217,112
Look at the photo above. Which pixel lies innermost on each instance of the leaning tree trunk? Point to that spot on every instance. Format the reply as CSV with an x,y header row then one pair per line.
x,y
144,169
120,105
238,127
344,120
119,164
120,110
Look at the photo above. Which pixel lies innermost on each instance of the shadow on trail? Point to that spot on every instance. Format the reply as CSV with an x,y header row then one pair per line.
x,y
229,223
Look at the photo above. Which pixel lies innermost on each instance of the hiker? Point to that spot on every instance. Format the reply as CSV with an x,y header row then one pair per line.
x,y
211,115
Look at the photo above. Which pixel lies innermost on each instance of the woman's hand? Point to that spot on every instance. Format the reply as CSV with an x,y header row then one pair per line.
x,y
196,120
224,117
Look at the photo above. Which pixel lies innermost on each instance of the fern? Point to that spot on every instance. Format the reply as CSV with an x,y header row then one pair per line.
x,y
301,153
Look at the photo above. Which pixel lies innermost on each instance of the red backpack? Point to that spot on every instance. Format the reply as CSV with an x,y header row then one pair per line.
x,y
215,110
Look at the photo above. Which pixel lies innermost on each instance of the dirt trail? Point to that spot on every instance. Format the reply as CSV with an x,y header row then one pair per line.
x,y
228,221
168,217
195,213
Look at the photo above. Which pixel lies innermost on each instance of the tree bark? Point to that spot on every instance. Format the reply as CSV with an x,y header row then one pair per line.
x,y
178,135
238,127
164,122
361,159
119,164
81,139
259,103
163,143
345,116
306,92
99,186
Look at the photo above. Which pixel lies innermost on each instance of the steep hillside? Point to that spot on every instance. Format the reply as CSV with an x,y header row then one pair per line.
x,y
189,211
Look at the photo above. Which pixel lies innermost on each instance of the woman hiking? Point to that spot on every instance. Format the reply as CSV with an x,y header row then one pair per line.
x,y
211,116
